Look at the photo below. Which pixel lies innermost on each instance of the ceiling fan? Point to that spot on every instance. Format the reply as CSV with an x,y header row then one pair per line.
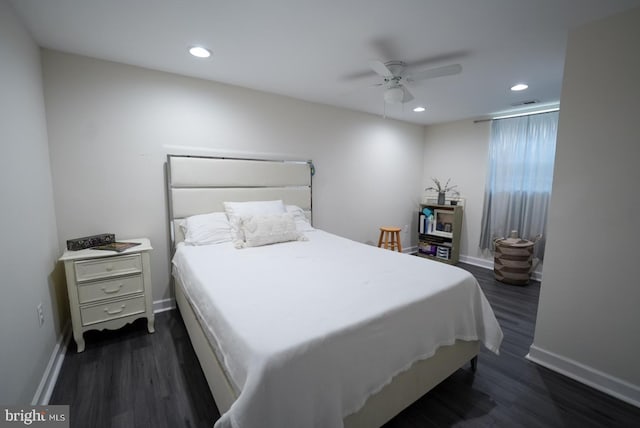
x,y
393,73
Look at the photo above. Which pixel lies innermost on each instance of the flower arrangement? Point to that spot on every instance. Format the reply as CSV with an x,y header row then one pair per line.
x,y
439,188
443,190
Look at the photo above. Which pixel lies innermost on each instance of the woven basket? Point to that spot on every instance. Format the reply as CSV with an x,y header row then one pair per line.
x,y
513,260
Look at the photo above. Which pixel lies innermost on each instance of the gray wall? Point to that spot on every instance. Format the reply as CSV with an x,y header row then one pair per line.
x,y
27,219
111,126
589,313
459,150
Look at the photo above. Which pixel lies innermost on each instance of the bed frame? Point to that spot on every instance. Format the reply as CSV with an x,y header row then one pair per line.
x,y
197,185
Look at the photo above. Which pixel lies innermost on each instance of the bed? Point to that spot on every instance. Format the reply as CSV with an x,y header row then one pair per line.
x,y
315,331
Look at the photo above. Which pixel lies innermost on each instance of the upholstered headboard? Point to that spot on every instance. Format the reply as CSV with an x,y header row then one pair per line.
x,y
199,185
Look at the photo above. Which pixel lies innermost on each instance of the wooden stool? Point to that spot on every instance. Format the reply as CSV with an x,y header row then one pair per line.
x,y
391,238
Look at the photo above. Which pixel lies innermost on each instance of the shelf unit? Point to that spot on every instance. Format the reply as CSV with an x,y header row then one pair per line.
x,y
440,239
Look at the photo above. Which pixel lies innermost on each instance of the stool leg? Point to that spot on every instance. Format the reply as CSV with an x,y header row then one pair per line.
x,y
386,240
393,241
399,243
380,239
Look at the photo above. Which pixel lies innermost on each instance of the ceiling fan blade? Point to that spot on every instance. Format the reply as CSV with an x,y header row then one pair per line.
x,y
408,96
380,68
360,89
447,70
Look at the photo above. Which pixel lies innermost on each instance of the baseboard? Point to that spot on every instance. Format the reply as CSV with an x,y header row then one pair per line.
x,y
477,261
164,305
596,379
488,264
51,372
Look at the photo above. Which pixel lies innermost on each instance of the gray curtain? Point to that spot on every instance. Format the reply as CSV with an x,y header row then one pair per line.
x,y
519,178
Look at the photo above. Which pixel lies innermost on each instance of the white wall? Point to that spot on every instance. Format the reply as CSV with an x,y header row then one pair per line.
x,y
27,219
459,150
589,312
111,125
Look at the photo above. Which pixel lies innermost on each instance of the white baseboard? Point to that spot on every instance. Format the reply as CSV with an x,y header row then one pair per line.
x,y
477,261
488,264
596,379
164,305
51,372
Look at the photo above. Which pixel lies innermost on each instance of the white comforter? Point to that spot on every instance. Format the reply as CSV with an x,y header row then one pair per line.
x,y
309,330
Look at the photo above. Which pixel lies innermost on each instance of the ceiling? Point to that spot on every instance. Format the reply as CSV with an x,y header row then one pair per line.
x,y
319,50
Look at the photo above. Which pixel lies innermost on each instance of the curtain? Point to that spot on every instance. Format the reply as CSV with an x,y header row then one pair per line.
x,y
519,178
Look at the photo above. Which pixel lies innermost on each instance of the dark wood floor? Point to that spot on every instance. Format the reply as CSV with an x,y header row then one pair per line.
x,y
128,378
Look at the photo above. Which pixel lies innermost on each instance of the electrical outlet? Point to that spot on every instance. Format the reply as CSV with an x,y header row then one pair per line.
x,y
406,229
40,314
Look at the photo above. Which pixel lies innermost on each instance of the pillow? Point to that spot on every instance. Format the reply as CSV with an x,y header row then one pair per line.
x,y
236,210
204,229
268,229
302,222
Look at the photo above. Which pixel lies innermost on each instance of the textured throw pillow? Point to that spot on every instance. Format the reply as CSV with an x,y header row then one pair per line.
x,y
268,229
236,210
205,229
302,222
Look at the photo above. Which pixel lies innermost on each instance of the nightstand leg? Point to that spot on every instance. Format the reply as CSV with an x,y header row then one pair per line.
x,y
150,325
79,341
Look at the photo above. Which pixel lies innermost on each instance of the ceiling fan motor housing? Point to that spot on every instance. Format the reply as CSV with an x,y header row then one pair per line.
x,y
395,67
393,74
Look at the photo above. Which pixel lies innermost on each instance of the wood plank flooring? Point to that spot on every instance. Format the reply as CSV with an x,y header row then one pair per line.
x,y
128,378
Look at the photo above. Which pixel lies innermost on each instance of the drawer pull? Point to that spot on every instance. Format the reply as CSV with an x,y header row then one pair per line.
x,y
114,312
109,267
113,290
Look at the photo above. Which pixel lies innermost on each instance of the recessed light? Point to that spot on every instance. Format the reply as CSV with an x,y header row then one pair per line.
x,y
519,87
200,52
419,109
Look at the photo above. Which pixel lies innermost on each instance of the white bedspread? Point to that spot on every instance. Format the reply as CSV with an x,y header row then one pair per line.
x,y
309,330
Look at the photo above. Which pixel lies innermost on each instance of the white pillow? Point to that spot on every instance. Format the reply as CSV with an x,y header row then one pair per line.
x,y
236,210
204,229
302,222
268,229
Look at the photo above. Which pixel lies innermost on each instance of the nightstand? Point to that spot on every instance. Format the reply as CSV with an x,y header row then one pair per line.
x,y
107,289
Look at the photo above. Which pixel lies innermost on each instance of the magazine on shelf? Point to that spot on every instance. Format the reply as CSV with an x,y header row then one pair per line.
x,y
116,246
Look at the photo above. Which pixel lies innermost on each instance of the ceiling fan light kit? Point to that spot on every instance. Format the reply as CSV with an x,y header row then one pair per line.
x,y
394,95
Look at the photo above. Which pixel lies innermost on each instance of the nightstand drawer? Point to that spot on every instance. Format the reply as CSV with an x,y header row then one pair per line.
x,y
117,287
88,270
112,310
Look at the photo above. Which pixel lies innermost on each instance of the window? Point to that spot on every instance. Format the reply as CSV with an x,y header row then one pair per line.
x,y
519,178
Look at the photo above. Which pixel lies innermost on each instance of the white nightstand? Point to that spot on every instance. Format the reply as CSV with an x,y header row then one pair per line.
x,y
108,289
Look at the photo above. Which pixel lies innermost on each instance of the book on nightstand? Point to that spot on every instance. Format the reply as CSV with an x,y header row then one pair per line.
x,y
116,246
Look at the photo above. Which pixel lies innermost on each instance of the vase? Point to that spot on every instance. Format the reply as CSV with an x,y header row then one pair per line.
x,y
441,198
